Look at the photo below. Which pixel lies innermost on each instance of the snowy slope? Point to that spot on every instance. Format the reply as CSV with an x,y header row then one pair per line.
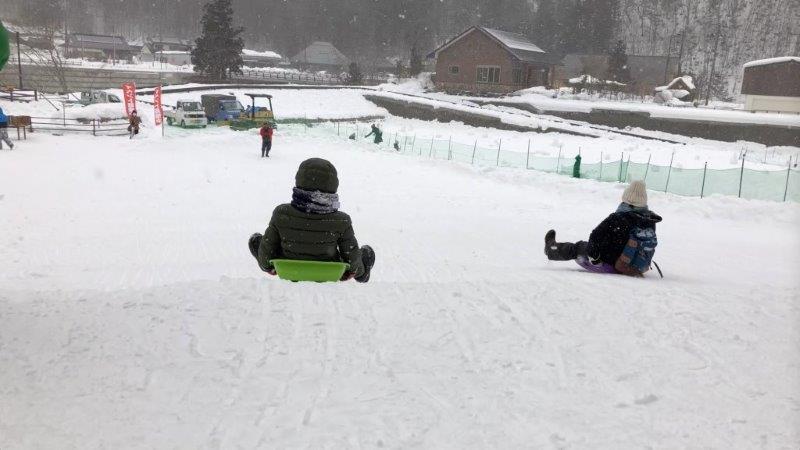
x,y
133,316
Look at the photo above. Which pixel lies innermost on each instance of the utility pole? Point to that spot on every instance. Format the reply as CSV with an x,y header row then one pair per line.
x,y
19,62
669,53
66,36
713,63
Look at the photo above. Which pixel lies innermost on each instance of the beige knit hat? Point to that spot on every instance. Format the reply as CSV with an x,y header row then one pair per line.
x,y
635,194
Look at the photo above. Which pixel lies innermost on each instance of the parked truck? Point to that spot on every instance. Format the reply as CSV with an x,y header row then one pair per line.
x,y
93,97
187,114
221,107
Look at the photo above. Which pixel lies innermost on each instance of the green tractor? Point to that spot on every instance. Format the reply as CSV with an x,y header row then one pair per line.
x,y
254,116
5,48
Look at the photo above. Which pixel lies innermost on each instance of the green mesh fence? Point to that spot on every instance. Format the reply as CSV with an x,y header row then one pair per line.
x,y
778,185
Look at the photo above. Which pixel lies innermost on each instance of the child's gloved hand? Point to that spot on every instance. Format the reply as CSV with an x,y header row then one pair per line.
x,y
347,276
272,272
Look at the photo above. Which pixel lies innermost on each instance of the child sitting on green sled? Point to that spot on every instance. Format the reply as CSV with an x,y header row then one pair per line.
x,y
311,227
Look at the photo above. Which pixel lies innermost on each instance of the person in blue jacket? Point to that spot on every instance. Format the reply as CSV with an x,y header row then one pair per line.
x,y
4,131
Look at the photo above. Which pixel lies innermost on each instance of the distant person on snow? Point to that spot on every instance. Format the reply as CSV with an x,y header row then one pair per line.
x,y
133,123
625,240
266,139
4,131
311,227
377,133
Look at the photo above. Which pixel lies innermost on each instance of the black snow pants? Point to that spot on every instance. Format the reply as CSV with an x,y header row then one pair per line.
x,y
266,146
565,251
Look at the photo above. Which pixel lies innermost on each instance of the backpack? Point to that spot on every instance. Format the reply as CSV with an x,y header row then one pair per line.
x,y
638,252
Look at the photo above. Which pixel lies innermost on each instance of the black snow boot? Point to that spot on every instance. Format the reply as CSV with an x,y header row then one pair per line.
x,y
254,243
368,259
563,251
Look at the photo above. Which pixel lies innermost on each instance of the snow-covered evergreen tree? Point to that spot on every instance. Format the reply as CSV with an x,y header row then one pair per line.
x,y
618,69
219,47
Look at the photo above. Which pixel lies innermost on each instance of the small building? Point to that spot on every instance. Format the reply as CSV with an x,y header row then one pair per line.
x,y
100,47
267,58
681,88
485,60
321,56
772,85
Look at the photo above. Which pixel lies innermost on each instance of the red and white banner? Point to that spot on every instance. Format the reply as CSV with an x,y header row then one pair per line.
x,y
158,111
129,93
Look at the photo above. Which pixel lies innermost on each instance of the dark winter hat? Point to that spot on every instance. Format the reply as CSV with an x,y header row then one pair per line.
x,y
317,174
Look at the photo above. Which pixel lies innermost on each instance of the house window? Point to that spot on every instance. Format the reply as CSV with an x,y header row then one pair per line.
x,y
488,74
517,76
453,70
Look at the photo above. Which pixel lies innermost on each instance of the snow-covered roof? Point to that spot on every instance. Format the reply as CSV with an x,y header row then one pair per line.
x,y
173,52
265,54
780,59
321,53
517,44
515,41
687,81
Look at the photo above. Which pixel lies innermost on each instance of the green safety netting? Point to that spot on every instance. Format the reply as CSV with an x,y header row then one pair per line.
x,y
5,48
746,183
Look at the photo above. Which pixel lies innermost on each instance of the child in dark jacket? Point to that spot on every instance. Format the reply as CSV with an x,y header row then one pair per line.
x,y
609,239
311,227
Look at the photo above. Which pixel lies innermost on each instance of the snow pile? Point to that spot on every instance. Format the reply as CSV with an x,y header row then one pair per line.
x,y
422,83
98,111
132,314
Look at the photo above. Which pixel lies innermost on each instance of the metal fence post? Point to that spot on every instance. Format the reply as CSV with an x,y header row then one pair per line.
x,y
430,153
788,172
600,177
449,146
669,173
474,148
703,186
741,174
405,141
414,142
528,157
94,131
558,164
621,161
648,168
499,146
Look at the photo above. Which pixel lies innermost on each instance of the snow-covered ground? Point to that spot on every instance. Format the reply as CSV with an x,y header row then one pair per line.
x,y
133,316
543,100
296,103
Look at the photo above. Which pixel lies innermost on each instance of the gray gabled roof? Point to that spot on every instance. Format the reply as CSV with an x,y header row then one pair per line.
x,y
98,42
321,53
517,44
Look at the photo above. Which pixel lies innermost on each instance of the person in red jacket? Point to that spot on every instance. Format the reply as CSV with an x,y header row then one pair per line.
x,y
266,139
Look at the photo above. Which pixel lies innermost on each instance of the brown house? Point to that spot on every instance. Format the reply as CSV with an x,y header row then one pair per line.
x,y
484,60
772,85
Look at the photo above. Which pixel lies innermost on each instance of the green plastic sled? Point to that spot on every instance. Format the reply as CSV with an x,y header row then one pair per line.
x,y
295,270
5,49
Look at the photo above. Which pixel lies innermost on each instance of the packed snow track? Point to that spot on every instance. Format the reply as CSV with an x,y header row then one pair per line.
x,y
133,316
